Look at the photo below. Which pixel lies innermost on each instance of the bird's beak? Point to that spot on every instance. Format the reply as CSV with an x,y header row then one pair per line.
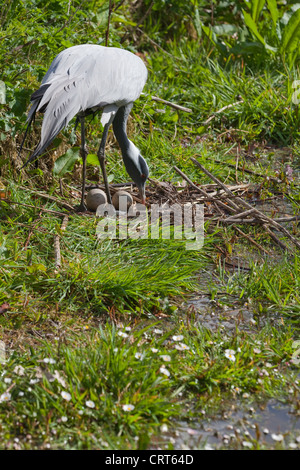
x,y
143,195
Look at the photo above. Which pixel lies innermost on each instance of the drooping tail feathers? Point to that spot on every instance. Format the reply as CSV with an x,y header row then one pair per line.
x,y
60,102
35,99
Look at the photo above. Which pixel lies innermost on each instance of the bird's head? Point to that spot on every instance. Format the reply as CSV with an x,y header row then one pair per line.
x,y
137,168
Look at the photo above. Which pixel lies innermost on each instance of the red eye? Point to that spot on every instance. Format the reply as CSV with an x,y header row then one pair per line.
x,y
143,175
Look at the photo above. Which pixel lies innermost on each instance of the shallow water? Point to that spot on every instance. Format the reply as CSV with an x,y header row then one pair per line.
x,y
240,424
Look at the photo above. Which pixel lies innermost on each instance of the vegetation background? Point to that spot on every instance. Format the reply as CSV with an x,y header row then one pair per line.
x,y
106,353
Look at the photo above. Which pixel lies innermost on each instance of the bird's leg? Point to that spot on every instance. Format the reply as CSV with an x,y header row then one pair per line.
x,y
83,153
101,157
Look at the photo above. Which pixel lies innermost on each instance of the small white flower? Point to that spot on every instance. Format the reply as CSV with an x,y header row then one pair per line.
x,y
245,395
192,432
277,437
177,338
33,381
166,357
128,407
64,419
230,354
181,347
164,428
247,444
49,360
164,371
121,333
157,331
19,370
66,396
59,378
128,328
21,394
6,396
266,431
90,404
154,350
293,445
256,351
7,380
139,356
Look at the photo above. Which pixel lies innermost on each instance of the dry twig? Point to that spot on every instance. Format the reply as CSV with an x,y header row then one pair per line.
x,y
264,219
173,105
49,198
57,254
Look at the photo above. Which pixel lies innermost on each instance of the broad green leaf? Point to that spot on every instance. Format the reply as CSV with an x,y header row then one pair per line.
x,y
247,48
257,6
198,23
272,5
225,29
252,26
66,162
291,33
209,33
92,159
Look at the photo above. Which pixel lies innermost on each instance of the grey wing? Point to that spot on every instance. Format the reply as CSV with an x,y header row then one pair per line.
x,y
83,77
60,99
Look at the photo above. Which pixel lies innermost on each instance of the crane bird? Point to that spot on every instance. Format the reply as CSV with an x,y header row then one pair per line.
x,y
82,80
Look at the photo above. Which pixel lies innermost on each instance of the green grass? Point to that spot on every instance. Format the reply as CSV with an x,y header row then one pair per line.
x,y
65,330
271,287
97,275
71,392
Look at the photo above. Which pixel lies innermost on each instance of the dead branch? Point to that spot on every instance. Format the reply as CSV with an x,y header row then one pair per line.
x,y
259,215
57,253
221,110
245,235
49,198
8,201
173,105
